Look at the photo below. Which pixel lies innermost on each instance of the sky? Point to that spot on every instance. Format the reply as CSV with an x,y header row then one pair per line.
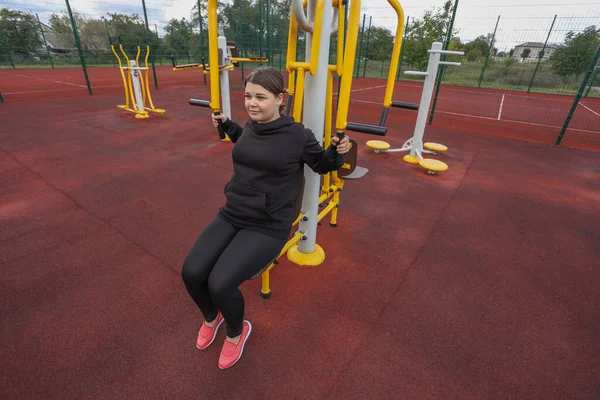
x,y
520,20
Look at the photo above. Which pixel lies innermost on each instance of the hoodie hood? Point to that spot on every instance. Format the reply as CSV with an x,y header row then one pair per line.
x,y
273,126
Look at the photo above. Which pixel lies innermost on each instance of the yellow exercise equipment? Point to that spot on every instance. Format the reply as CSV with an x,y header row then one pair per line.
x,y
415,144
136,85
221,60
310,90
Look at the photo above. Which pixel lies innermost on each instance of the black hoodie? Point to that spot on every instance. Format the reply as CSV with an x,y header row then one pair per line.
x,y
268,165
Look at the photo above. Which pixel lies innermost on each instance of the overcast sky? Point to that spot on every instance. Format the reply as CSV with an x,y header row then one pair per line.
x,y
520,21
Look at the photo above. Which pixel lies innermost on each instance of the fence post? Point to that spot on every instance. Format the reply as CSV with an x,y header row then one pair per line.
x,y
402,48
362,33
579,93
367,50
149,43
45,43
489,52
441,70
269,33
201,37
8,54
592,81
108,37
541,54
260,32
79,49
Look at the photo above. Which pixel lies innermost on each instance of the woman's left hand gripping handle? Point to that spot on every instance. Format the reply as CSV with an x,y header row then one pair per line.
x,y
218,119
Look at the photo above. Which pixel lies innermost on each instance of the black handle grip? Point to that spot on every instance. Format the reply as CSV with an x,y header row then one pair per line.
x,y
173,61
288,106
119,37
199,103
220,128
364,128
408,106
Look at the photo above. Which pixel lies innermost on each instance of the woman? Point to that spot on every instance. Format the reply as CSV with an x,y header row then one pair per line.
x,y
252,227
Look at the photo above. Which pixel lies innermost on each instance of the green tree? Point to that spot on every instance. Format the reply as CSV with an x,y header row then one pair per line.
x,y
473,54
481,43
21,31
381,43
181,40
422,33
574,56
132,31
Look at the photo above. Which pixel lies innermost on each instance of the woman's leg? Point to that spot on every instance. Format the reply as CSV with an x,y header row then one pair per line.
x,y
201,260
247,253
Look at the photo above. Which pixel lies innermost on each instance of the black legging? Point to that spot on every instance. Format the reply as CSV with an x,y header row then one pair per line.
x,y
222,258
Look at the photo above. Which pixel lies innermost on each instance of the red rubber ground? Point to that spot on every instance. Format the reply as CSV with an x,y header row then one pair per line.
x,y
481,282
527,116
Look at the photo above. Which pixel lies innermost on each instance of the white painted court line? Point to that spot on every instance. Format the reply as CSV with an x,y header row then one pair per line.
x,y
501,105
48,80
516,122
589,109
368,88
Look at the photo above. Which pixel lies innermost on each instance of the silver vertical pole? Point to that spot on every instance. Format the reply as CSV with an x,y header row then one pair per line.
x,y
314,119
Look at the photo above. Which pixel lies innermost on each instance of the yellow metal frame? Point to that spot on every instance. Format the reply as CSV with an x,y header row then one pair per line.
x,y
128,84
213,57
332,183
389,90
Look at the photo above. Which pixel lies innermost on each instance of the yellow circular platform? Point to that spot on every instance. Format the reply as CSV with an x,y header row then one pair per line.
x,y
310,260
141,116
433,165
434,146
378,144
411,159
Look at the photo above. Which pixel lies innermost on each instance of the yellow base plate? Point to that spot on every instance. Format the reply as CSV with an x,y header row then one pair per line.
x,y
411,159
378,144
315,258
122,106
157,110
141,116
433,165
435,146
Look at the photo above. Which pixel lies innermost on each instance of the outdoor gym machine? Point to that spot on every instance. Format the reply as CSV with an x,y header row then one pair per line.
x,y
381,129
415,144
223,62
137,88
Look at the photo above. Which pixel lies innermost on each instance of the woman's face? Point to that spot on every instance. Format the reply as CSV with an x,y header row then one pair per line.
x,y
262,105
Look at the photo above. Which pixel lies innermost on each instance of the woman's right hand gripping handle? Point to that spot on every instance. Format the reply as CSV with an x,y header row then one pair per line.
x,y
218,119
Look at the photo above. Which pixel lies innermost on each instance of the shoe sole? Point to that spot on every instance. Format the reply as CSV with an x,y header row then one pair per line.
x,y
214,336
243,345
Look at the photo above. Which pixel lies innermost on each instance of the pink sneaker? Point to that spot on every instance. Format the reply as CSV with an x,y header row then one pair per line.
x,y
231,353
207,335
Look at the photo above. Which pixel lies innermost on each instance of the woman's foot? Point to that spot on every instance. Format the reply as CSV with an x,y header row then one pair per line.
x,y
208,332
234,347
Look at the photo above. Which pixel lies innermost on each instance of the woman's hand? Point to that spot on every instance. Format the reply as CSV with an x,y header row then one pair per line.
x,y
216,118
342,147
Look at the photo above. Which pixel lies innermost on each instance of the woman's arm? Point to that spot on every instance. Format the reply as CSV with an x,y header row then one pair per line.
x,y
233,130
320,160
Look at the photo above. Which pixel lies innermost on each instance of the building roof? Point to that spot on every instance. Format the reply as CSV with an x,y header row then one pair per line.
x,y
536,44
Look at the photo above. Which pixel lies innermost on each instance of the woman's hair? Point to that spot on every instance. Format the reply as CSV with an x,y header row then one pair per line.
x,y
270,79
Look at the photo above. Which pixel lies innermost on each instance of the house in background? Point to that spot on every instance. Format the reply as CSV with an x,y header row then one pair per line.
x,y
55,44
521,54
